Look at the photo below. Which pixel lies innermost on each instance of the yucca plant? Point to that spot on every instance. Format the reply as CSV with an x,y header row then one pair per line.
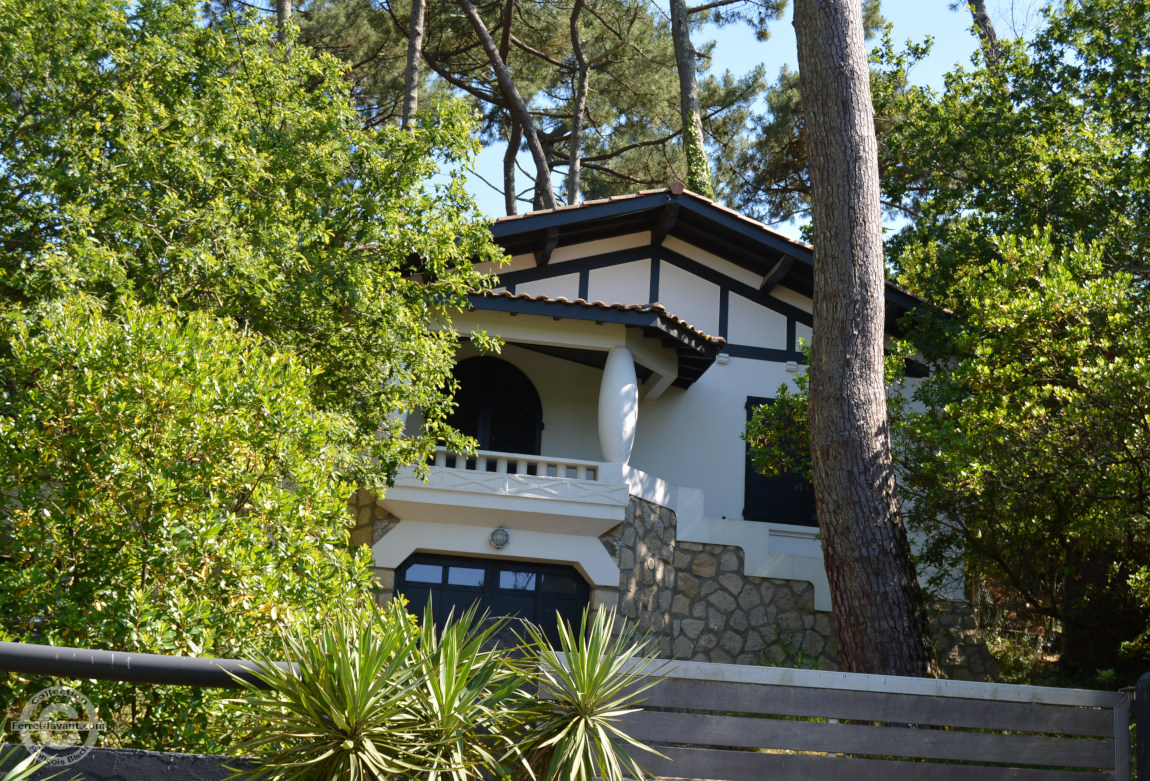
x,y
569,730
345,710
373,696
465,695
22,770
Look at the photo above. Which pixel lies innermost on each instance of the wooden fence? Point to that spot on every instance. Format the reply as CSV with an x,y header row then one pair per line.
x,y
740,723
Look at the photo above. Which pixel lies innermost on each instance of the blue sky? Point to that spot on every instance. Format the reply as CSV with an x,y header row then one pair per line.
x,y
738,51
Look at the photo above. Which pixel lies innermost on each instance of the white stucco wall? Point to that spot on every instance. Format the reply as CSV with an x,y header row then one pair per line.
x,y
726,267
629,283
751,323
788,296
689,438
689,298
563,286
692,437
600,247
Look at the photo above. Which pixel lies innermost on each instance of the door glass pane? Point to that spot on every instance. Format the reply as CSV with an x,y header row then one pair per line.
x,y
517,581
559,584
424,573
465,576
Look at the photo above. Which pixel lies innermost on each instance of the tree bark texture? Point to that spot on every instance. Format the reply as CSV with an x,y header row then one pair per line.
x,y
515,101
698,170
986,33
547,141
283,16
582,79
877,601
514,140
414,55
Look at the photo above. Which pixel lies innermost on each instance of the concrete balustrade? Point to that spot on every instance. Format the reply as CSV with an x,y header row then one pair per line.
x,y
518,464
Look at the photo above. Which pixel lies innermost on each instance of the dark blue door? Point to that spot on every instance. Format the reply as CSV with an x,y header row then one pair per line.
x,y
530,590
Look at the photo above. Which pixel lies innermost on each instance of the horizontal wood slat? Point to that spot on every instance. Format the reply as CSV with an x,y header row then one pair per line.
x,y
755,766
888,684
727,697
742,732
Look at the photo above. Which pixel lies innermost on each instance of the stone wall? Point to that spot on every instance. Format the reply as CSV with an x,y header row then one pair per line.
x,y
369,522
959,645
695,603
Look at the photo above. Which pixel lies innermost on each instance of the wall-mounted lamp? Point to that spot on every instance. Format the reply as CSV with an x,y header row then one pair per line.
x,y
500,538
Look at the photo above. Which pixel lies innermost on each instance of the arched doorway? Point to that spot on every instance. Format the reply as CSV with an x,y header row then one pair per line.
x,y
528,590
497,404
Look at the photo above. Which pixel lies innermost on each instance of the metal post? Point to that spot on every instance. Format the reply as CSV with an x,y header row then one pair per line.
x,y
1142,727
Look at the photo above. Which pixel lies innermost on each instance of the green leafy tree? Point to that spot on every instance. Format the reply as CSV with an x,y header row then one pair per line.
x,y
219,293
1054,136
168,487
1029,465
208,169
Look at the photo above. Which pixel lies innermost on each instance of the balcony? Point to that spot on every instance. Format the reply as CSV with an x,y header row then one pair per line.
x,y
514,490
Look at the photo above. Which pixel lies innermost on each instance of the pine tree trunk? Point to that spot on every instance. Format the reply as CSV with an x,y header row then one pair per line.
x,y
515,102
879,619
509,191
698,170
986,32
582,78
414,49
283,16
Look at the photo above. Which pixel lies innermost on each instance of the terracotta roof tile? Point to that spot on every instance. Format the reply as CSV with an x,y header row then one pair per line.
x,y
655,308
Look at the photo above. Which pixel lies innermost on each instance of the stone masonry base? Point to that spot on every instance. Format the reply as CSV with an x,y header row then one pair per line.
x,y
694,602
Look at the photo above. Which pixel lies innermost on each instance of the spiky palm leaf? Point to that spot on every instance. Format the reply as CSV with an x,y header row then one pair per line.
x,y
25,768
571,732
347,712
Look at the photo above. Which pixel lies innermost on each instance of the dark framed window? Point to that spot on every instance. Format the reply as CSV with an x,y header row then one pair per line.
x,y
497,404
788,498
530,590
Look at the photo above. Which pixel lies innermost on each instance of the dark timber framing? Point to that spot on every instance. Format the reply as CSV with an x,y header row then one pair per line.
x,y
693,219
657,257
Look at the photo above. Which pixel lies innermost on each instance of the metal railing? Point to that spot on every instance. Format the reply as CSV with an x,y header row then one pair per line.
x,y
83,663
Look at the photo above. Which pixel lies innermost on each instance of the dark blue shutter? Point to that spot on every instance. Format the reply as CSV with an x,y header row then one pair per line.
x,y
784,499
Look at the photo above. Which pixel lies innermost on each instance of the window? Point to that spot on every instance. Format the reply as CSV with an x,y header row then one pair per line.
x,y
788,498
503,588
497,404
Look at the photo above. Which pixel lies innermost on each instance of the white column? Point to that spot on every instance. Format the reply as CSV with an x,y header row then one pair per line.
x,y
618,406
